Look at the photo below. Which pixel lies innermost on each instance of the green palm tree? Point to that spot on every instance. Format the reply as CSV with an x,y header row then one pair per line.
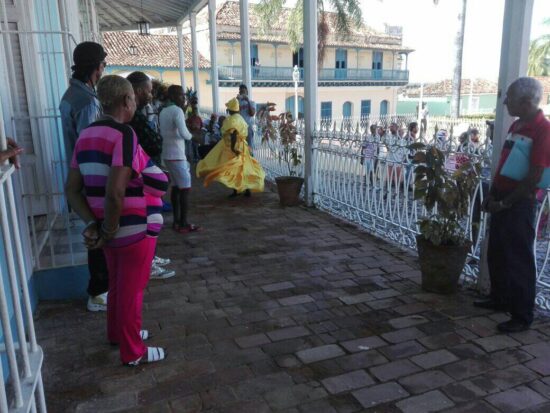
x,y
348,16
539,55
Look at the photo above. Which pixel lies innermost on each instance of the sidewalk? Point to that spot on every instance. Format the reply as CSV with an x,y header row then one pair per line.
x,y
292,310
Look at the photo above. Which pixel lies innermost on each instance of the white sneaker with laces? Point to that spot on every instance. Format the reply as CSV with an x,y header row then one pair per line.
x,y
159,273
161,261
97,303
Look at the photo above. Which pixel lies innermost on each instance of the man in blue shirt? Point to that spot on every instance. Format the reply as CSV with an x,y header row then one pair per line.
x,y
79,105
79,108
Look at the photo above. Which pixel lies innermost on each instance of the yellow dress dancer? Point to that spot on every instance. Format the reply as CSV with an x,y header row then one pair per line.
x,y
229,162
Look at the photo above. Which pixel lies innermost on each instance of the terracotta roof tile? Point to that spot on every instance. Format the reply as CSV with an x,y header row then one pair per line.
x,y
152,50
481,86
444,88
228,22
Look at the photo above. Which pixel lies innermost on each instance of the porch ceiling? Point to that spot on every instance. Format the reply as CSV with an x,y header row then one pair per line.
x,y
124,14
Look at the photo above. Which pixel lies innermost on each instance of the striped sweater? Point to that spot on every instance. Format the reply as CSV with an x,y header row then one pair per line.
x,y
105,144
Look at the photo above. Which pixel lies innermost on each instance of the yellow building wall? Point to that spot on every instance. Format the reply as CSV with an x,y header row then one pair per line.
x,y
337,95
388,61
365,59
229,55
266,55
284,56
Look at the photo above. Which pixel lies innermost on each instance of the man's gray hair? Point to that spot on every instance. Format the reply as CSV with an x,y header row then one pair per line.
x,y
528,88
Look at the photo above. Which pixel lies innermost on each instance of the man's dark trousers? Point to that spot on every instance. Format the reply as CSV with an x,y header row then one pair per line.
x,y
511,259
99,277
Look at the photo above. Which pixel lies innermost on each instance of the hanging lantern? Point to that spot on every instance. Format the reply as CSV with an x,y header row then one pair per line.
x,y
143,25
133,50
143,28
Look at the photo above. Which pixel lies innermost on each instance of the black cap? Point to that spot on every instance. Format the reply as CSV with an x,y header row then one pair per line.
x,y
88,54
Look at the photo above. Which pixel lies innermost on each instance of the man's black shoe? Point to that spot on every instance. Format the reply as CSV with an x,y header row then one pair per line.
x,y
490,305
512,326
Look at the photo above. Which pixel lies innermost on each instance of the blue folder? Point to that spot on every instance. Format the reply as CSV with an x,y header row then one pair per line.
x,y
516,166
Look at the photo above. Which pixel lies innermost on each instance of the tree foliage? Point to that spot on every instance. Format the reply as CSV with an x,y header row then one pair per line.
x,y
539,54
445,194
348,16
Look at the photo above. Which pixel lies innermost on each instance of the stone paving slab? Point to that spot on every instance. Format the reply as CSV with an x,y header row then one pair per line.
x,y
288,309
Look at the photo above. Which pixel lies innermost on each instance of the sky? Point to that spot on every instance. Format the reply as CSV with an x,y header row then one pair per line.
x,y
431,31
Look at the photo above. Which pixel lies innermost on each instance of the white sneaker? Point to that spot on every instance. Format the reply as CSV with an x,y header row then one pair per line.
x,y
97,303
161,261
159,273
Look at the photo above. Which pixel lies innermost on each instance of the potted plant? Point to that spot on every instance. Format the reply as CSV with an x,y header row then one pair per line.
x,y
443,243
279,134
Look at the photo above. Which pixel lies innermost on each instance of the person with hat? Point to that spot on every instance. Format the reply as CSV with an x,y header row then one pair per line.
x,y
230,161
79,108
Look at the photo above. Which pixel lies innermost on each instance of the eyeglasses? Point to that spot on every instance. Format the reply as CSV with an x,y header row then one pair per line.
x,y
104,63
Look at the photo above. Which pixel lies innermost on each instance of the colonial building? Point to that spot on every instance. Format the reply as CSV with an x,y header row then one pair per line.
x,y
359,75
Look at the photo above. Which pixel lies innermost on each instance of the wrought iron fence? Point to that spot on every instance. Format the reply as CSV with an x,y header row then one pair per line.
x,y
368,179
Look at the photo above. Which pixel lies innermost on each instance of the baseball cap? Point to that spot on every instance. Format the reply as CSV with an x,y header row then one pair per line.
x,y
88,54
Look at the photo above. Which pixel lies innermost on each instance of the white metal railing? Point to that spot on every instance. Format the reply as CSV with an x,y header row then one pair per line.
x,y
20,345
54,240
369,180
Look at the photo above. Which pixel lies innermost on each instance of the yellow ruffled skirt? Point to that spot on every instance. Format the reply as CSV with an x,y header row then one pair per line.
x,y
236,172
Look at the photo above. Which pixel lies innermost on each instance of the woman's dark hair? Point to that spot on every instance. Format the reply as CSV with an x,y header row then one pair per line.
x,y
174,92
138,79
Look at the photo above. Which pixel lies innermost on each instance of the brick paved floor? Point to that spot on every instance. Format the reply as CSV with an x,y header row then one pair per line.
x,y
291,310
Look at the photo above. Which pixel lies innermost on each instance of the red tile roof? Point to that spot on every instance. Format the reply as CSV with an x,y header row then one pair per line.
x,y
228,22
481,87
152,50
444,88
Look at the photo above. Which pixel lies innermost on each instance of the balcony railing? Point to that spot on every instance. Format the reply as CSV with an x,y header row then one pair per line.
x,y
285,74
369,180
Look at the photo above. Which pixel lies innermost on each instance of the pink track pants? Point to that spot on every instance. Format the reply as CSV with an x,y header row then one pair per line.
x,y
129,270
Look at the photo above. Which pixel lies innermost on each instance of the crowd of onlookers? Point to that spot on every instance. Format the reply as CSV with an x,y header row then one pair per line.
x,y
389,146
128,139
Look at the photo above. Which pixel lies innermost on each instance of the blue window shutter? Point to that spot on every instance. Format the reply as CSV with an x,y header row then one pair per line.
x,y
326,110
365,107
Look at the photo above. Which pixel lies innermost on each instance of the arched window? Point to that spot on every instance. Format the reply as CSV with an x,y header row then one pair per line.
x,y
347,110
384,107
289,106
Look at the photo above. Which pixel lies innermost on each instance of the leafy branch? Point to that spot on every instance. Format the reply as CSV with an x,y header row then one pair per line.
x,y
445,194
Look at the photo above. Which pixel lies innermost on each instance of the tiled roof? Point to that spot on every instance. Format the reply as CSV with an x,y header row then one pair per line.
x,y
228,22
152,50
444,88
481,86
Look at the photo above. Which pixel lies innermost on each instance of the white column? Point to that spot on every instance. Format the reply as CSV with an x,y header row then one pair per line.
x,y
195,54
514,51
181,56
310,92
245,46
213,56
516,29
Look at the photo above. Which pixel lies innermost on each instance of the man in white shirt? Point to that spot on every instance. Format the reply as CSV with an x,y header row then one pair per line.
x,y
247,111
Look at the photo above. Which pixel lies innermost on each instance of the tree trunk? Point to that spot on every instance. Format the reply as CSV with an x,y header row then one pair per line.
x,y
457,77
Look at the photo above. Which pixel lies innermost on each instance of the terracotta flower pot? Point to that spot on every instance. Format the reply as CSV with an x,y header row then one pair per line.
x,y
441,265
289,188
